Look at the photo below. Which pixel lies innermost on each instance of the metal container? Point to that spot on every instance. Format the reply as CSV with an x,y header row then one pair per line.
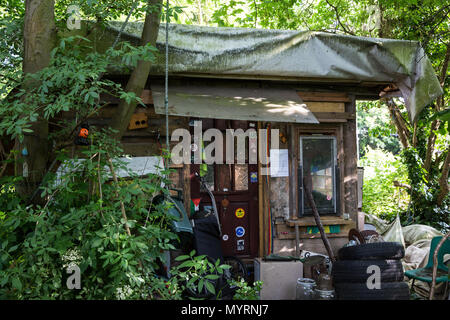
x,y
304,289
324,294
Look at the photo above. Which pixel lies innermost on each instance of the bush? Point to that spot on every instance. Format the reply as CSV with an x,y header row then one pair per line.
x,y
82,222
380,196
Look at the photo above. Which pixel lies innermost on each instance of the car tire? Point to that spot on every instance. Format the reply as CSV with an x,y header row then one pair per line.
x,y
359,271
360,291
373,251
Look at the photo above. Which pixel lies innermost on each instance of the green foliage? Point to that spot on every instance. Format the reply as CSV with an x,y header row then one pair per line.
x,y
72,82
375,129
380,196
81,220
196,274
82,223
245,291
11,25
424,191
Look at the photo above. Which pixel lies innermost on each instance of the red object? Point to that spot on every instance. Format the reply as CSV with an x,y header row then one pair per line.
x,y
196,202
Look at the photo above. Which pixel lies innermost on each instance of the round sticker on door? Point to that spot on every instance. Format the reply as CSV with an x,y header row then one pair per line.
x,y
240,231
225,237
240,213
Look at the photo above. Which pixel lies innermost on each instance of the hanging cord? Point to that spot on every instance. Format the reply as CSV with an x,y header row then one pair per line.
x,y
166,93
124,24
270,238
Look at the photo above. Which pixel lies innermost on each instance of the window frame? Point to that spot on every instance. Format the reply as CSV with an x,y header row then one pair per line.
x,y
336,176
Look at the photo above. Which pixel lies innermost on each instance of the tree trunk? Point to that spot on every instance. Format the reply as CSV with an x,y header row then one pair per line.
x,y
402,130
139,76
443,180
39,40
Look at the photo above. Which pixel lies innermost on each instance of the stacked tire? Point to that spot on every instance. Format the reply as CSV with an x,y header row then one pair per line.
x,y
370,271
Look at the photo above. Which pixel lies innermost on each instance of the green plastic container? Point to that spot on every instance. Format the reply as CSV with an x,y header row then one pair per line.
x,y
181,222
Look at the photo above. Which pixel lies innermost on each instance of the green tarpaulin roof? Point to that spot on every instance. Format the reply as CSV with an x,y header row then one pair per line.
x,y
261,53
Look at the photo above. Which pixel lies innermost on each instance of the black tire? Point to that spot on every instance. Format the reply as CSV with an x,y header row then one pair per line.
x,y
357,270
373,251
359,291
238,269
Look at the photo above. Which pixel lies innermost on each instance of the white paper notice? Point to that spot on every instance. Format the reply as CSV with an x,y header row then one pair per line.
x,y
279,163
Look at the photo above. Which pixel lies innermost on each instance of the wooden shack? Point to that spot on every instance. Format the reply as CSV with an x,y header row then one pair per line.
x,y
305,85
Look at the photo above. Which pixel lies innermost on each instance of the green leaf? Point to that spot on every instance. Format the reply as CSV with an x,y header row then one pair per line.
x,y
16,283
181,258
210,287
185,264
200,285
96,243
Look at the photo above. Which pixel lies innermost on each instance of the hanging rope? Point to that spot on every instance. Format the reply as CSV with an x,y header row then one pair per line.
x,y
124,24
166,85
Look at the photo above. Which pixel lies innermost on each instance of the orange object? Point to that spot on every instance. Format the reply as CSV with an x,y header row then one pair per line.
x,y
84,133
138,121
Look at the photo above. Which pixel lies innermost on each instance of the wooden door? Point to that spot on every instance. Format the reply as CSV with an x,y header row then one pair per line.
x,y
235,188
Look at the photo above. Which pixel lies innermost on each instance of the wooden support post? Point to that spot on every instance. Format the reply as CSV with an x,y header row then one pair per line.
x,y
312,204
350,163
187,188
293,168
260,206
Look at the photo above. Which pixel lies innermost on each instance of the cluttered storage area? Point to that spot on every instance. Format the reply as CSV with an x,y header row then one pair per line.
x,y
272,144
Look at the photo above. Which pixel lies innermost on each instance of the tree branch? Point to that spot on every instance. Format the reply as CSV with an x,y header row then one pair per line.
x,y
139,76
399,123
122,206
430,145
443,180
339,19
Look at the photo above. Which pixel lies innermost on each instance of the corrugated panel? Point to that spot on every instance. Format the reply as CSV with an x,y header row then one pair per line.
x,y
252,104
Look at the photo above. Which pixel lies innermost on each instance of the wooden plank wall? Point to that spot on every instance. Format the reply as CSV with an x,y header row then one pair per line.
x,y
337,116
147,141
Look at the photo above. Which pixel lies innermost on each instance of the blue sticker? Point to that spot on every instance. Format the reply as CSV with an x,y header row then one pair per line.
x,y
240,231
253,177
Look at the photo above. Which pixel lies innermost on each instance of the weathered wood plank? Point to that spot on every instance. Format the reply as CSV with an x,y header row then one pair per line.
x,y
326,106
293,168
326,220
324,96
350,164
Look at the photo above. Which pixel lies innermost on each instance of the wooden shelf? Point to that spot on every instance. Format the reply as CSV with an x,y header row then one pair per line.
x,y
326,221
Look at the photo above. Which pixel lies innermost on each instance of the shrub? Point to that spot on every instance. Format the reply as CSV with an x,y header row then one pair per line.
x,y
380,196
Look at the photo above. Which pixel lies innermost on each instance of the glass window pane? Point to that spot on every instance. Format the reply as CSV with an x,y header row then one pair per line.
x,y
240,177
208,176
224,177
318,159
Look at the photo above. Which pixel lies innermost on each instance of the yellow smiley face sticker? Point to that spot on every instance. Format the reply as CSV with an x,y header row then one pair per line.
x,y
240,213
